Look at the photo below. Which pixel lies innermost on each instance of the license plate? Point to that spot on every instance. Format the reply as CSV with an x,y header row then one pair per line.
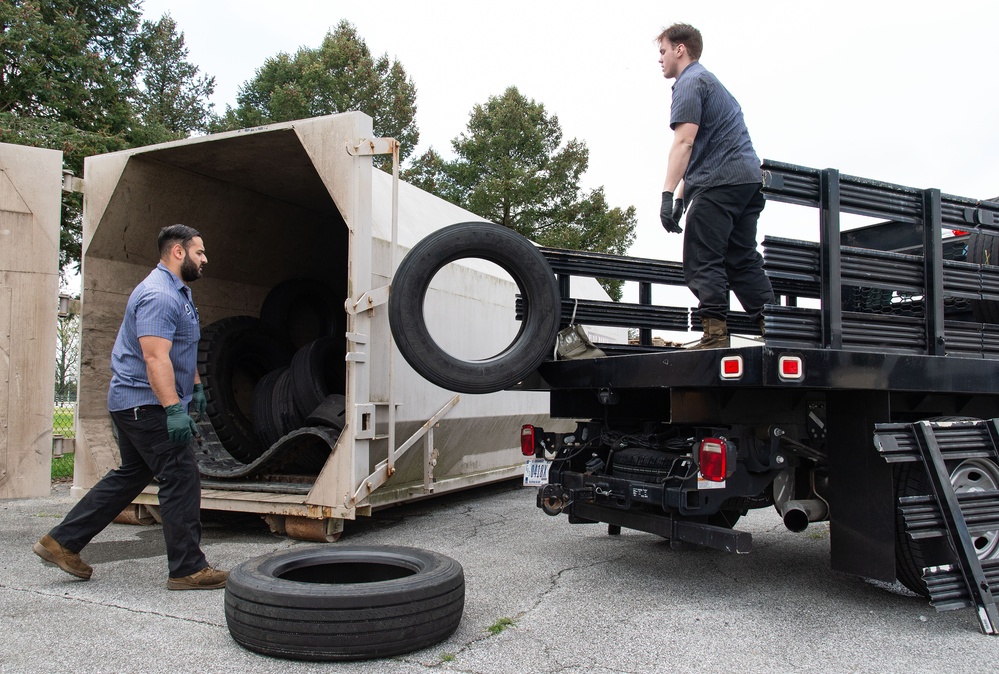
x,y
536,472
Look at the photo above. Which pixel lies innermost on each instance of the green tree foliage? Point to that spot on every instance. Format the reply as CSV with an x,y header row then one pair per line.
x,y
513,168
68,81
71,61
172,101
340,76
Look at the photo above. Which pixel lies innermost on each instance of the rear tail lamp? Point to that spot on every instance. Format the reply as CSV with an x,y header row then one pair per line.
x,y
731,367
712,458
527,440
789,368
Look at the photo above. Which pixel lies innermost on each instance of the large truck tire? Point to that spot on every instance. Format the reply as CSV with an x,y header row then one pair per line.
x,y
303,310
344,603
913,555
317,371
534,278
234,354
274,412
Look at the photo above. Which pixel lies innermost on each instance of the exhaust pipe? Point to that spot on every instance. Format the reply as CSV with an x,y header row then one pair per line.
x,y
797,514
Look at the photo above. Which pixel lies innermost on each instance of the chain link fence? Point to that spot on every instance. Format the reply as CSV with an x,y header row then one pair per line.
x,y
63,417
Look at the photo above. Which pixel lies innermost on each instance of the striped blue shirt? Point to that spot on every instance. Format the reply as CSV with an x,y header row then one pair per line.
x,y
160,306
723,152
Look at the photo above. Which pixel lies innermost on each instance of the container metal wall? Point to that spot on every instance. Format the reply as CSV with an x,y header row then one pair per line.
x,y
30,188
290,201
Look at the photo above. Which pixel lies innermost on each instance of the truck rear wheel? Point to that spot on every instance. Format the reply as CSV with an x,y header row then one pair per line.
x,y
912,556
537,286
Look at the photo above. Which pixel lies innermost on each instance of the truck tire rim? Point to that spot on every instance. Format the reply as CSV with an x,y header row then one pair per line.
x,y
977,475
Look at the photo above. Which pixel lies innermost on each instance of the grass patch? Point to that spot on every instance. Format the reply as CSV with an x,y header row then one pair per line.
x,y
500,625
447,657
63,422
62,467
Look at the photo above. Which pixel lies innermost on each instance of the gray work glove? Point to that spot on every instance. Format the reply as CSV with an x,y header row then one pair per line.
x,y
668,213
199,402
180,427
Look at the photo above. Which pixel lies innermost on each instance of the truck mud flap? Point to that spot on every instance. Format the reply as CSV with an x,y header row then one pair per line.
x,y
677,531
215,462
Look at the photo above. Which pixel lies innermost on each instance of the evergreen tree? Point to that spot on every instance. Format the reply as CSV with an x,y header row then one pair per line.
x,y
339,76
68,81
172,101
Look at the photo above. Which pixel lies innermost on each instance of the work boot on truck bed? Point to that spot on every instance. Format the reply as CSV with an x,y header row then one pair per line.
x,y
715,335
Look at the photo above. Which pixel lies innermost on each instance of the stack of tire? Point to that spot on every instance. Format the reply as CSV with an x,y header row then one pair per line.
x,y
269,376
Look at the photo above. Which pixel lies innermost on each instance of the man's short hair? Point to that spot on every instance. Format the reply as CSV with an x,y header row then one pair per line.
x,y
685,34
171,235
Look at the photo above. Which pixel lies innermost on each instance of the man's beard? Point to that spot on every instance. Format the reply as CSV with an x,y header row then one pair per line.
x,y
189,271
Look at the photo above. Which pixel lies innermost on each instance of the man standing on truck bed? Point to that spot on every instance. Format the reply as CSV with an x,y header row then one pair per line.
x,y
154,377
721,188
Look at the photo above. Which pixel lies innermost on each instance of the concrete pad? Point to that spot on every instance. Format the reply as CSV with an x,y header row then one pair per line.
x,y
580,600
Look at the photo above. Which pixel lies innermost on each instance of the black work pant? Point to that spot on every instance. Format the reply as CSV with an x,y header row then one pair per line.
x,y
719,251
146,451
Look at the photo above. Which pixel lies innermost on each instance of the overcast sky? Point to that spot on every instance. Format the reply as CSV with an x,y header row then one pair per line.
x,y
904,92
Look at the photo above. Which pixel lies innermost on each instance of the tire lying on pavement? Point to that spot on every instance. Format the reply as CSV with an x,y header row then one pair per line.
x,y
530,271
344,603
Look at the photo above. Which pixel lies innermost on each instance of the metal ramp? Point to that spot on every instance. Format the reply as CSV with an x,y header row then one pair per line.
x,y
960,579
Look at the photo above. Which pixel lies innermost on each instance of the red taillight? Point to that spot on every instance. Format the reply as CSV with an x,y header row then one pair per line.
x,y
789,367
731,367
527,440
713,459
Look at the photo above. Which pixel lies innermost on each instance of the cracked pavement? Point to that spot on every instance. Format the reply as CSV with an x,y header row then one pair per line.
x,y
580,600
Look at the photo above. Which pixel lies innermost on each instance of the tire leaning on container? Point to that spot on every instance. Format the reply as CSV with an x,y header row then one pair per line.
x,y
344,603
530,271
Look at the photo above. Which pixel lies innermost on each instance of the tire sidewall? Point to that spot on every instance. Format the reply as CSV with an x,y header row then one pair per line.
x,y
533,277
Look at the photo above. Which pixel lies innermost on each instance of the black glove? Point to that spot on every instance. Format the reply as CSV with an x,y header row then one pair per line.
x,y
678,207
666,212
199,402
180,427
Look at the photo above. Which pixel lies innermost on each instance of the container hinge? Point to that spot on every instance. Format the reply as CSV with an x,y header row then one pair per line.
x,y
70,183
366,147
368,301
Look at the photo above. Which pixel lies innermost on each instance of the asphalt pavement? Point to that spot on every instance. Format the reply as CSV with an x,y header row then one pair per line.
x,y
574,598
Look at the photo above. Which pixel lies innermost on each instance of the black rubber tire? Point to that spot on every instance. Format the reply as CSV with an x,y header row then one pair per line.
x,y
529,270
303,310
984,249
263,402
641,465
234,354
317,371
344,603
912,556
331,412
274,412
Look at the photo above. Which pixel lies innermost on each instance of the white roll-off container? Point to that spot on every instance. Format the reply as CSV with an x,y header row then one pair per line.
x,y
302,200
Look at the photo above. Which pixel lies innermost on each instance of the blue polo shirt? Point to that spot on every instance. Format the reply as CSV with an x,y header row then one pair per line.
x,y
723,153
160,306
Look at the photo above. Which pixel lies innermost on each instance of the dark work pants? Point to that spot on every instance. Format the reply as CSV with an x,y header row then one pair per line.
x,y
146,451
719,251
